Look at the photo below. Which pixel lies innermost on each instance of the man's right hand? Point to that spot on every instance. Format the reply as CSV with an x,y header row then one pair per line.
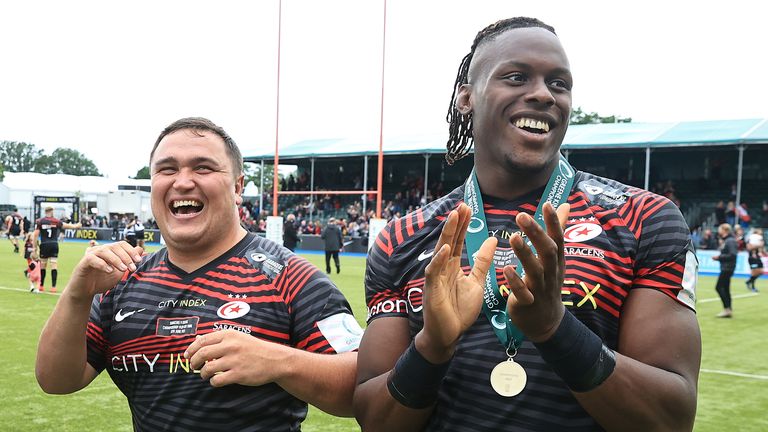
x,y
452,300
101,269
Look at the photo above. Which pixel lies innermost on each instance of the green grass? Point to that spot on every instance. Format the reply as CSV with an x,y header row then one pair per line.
x,y
725,402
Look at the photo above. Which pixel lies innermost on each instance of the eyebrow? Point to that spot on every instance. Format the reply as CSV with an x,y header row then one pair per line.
x,y
194,161
521,65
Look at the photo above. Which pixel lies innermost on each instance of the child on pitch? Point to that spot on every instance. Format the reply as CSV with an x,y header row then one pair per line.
x,y
29,246
33,272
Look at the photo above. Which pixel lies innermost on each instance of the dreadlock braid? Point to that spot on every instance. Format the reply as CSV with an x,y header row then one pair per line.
x,y
460,137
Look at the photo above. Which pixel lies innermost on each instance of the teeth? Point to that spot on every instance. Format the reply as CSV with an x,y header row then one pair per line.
x,y
532,123
182,203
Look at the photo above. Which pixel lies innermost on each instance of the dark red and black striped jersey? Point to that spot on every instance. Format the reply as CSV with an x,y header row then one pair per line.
x,y
139,330
49,229
16,221
617,239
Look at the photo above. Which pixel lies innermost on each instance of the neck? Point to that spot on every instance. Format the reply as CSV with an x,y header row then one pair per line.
x,y
192,257
501,182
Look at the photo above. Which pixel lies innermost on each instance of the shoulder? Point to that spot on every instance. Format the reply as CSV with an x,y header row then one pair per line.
x,y
404,231
628,201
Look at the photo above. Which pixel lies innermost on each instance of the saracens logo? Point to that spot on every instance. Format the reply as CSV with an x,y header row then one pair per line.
x,y
582,232
233,309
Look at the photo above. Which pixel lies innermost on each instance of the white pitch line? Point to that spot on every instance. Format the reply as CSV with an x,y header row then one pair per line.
x,y
733,297
27,290
738,374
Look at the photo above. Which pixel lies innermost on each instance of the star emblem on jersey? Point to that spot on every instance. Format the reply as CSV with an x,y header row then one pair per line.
x,y
120,316
581,232
237,296
234,309
425,255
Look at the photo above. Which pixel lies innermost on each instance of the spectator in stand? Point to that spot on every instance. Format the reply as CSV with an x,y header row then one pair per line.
x,y
730,215
696,236
290,236
765,213
708,240
756,249
738,234
743,215
727,258
114,223
720,213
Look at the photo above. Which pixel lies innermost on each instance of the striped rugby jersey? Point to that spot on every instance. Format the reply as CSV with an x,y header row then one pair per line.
x,y
49,229
139,330
618,238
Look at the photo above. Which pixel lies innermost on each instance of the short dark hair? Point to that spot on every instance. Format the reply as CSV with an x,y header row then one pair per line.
x,y
460,137
201,124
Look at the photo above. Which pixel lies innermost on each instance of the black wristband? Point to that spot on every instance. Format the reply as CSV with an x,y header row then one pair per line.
x,y
577,355
414,381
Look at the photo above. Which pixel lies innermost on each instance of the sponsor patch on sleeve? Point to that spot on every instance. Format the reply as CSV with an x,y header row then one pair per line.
x,y
687,295
342,331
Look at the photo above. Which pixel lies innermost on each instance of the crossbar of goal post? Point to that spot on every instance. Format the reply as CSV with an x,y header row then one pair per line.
x,y
327,192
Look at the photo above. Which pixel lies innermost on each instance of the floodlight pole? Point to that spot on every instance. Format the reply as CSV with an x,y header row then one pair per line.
x,y
365,184
275,180
312,187
261,189
647,166
379,184
738,181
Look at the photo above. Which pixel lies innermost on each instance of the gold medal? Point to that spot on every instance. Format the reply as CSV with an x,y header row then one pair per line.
x,y
508,378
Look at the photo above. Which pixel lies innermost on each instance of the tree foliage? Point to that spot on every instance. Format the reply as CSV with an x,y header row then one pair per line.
x,y
25,157
252,173
143,173
579,116
19,156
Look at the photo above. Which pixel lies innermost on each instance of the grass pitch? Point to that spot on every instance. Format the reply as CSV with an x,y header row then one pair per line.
x,y
733,384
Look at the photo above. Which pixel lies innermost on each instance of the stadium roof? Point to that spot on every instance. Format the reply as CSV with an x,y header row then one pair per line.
x,y
591,136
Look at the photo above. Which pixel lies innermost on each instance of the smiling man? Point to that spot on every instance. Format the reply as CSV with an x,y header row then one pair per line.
x,y
535,297
220,330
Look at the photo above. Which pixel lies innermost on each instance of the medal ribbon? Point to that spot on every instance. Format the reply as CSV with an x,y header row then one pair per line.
x,y
494,304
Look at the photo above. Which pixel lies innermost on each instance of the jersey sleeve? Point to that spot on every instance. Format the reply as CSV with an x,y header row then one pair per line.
x,y
665,260
382,298
322,320
94,332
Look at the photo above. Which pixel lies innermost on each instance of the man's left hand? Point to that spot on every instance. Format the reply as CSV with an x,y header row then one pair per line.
x,y
535,305
232,357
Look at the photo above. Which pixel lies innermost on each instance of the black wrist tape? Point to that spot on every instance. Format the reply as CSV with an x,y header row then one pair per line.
x,y
577,355
414,381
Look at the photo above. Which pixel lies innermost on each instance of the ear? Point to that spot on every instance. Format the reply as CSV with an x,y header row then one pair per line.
x,y
464,99
239,186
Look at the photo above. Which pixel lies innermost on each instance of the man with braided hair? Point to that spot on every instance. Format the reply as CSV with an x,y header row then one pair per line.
x,y
535,296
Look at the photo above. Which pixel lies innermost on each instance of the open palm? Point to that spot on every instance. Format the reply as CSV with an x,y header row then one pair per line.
x,y
452,300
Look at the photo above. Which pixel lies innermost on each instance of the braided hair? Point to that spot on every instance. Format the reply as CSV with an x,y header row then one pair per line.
x,y
460,137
